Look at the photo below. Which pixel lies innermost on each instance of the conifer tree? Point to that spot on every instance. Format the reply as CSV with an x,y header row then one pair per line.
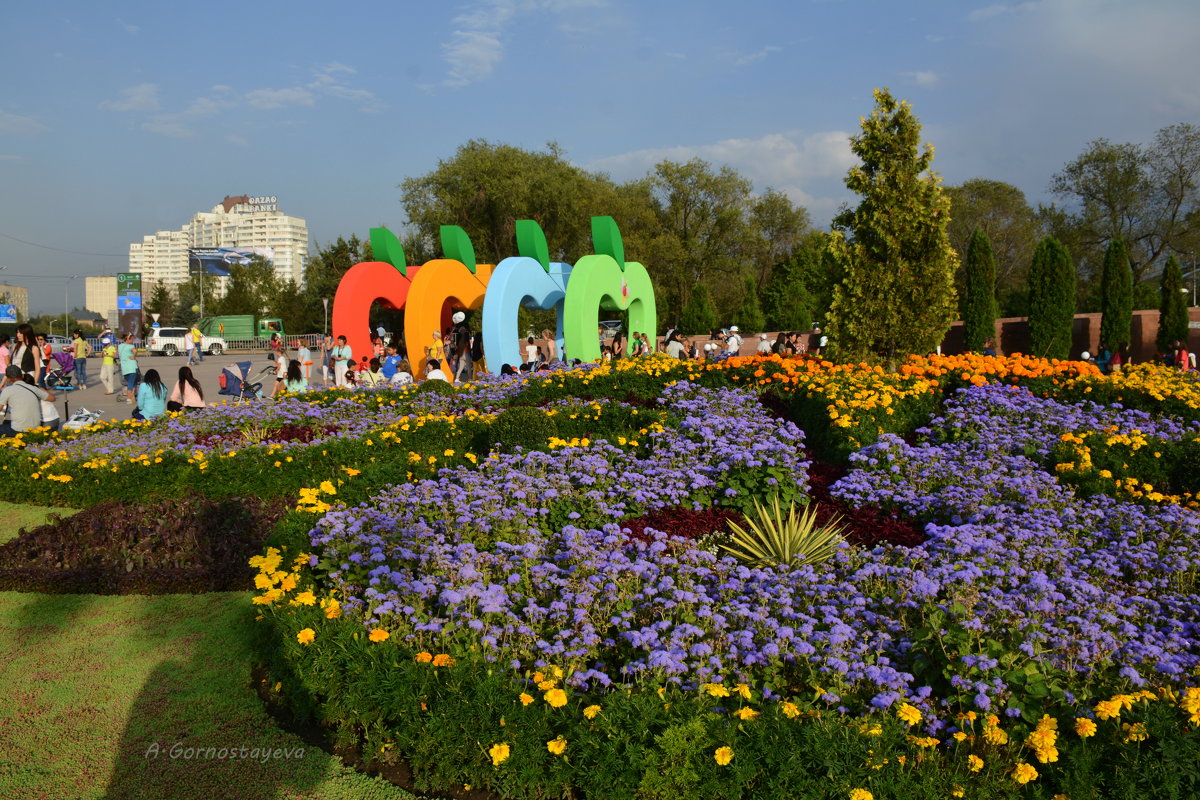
x,y
1172,308
1051,300
1116,297
979,303
893,263
698,315
750,316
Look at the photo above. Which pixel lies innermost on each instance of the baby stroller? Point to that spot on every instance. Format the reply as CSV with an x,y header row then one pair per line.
x,y
235,382
60,372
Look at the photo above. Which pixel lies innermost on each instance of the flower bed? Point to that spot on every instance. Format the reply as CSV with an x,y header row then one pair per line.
x,y
473,582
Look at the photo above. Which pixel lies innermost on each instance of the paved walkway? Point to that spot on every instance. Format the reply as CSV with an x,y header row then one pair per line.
x,y
93,398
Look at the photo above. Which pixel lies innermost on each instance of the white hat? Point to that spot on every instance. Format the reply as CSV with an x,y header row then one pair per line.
x,y
733,329
762,336
1085,355
458,316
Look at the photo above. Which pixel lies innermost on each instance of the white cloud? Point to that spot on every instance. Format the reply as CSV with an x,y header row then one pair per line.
x,y
327,80
999,9
802,167
742,61
238,140
130,29
268,99
926,80
167,126
143,97
4,157
21,126
476,44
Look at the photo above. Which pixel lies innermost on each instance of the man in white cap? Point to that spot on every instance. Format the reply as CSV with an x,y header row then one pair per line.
x,y
764,346
733,342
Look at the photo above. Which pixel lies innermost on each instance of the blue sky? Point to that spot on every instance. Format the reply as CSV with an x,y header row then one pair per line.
x,y
118,119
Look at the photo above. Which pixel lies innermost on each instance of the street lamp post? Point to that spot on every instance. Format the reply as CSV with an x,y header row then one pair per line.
x,y
325,302
66,285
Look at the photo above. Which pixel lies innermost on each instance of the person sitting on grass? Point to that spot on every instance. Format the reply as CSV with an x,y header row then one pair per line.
x,y
372,376
433,371
294,380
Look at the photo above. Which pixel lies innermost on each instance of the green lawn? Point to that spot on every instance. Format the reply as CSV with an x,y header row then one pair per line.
x,y
14,516
92,683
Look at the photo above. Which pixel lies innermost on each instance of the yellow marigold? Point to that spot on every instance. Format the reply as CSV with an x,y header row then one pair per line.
x,y
723,755
557,746
1108,709
743,690
547,684
957,791
1190,703
745,714
525,699
1024,773
715,689
1046,755
328,488
306,636
557,698
1084,727
378,635
305,599
909,714
861,794
591,711
975,763
1135,732
443,660
333,609
499,754
424,658
790,709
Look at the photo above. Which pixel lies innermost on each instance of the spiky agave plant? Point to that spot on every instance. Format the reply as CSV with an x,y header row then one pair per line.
x,y
772,538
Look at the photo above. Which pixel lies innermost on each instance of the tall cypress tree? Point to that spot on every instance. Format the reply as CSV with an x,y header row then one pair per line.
x,y
891,256
979,303
750,316
1051,300
698,315
1172,308
1116,297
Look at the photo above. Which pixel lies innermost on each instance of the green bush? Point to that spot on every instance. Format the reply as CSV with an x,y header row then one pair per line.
x,y
524,427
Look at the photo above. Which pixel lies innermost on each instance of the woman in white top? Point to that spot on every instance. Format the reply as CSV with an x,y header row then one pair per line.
x,y
531,351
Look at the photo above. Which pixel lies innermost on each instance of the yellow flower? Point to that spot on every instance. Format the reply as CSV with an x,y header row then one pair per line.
x,y
1108,709
306,636
909,714
557,698
790,710
723,755
333,609
743,690
305,599
378,635
443,660
975,763
861,794
328,488
351,471
499,754
715,689
1024,773
1085,727
1135,732
745,714
424,658
957,791
591,711
557,746
525,699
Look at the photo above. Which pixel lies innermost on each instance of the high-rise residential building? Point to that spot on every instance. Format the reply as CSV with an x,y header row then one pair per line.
x,y
253,224
17,296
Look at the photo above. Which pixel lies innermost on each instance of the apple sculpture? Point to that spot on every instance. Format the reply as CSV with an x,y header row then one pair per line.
x,y
443,286
386,282
528,279
606,280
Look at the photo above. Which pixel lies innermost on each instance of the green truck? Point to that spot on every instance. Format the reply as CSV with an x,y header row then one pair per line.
x,y
238,327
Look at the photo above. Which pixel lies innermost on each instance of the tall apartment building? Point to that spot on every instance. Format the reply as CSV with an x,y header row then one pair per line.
x,y
242,221
17,296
